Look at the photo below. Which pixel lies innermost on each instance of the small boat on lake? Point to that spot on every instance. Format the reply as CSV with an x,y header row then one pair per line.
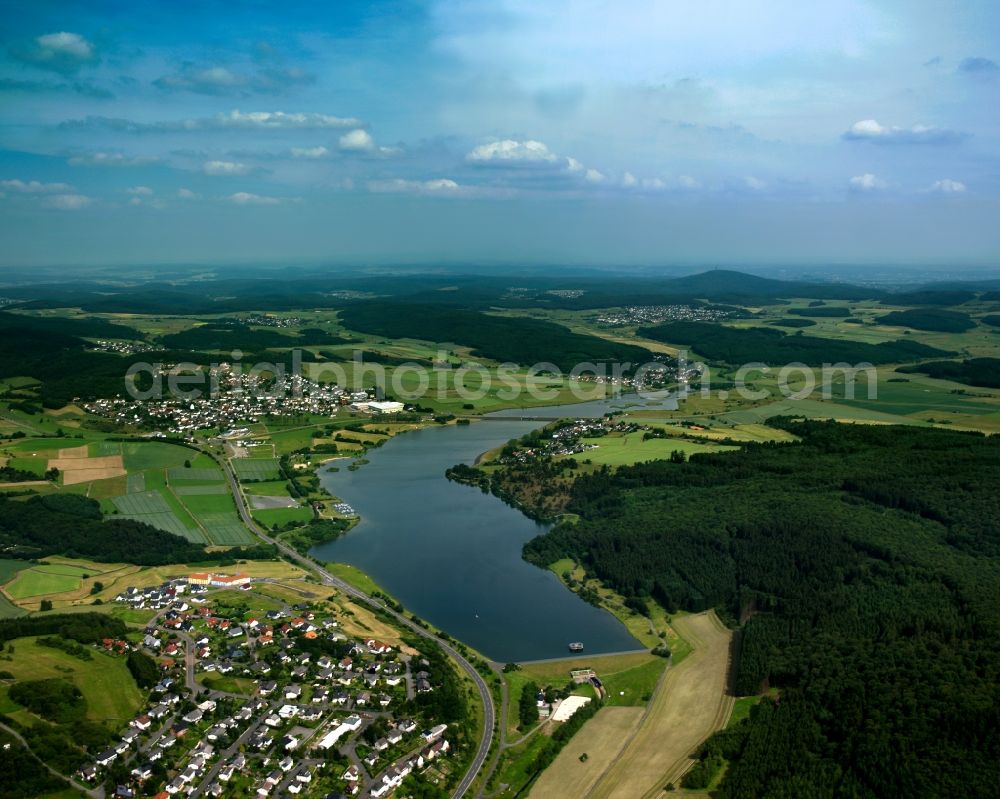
x,y
576,646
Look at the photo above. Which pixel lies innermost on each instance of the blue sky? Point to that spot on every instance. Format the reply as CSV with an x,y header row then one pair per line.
x,y
511,131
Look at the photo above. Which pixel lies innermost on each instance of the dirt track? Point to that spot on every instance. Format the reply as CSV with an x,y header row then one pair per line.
x,y
690,703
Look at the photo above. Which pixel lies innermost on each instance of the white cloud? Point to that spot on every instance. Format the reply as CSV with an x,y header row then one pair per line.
x,y
754,184
246,198
437,186
593,176
65,43
357,141
871,130
687,182
67,202
513,151
233,120
947,186
63,52
141,191
111,159
276,119
34,187
310,152
224,168
573,165
866,182
135,201
629,181
187,194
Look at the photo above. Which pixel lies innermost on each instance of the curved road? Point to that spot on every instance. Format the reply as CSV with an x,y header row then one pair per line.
x,y
485,696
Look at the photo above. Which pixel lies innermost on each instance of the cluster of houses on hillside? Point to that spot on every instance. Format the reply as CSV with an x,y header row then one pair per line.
x,y
269,703
224,398
653,314
568,439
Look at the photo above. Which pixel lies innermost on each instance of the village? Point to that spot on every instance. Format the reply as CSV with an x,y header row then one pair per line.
x,y
279,703
654,314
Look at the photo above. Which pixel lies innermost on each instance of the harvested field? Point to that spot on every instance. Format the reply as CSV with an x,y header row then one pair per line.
x,y
74,452
82,469
691,702
601,739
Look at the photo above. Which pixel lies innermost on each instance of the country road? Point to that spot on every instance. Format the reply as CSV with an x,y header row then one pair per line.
x,y
485,696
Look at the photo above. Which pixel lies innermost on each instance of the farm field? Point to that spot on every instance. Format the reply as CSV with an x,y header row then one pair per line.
x,y
39,580
601,739
105,682
256,468
690,703
620,450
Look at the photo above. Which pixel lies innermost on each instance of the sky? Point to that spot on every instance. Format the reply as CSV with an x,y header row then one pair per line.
x,y
501,132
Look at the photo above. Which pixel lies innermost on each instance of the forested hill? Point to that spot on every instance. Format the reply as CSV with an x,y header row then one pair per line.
x,y
865,561
523,341
750,345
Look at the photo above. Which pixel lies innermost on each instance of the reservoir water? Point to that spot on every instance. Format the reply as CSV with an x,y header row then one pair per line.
x,y
452,554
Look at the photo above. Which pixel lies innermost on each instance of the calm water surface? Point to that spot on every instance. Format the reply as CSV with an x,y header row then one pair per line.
x,y
452,554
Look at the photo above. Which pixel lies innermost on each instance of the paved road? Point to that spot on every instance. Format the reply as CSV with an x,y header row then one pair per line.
x,y
485,696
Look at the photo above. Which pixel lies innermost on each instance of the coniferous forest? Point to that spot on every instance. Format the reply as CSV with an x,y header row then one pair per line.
x,y
860,564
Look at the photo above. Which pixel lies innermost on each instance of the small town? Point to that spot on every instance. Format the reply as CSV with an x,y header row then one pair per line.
x,y
280,703
654,314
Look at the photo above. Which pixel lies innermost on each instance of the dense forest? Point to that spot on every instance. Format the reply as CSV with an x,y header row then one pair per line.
x,y
933,319
984,372
821,311
737,346
72,525
863,564
522,341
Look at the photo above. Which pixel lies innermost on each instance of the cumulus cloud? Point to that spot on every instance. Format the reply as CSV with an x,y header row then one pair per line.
x,y
754,184
511,151
358,140
593,176
978,65
224,168
871,130
310,152
629,181
67,202
233,120
866,182
111,159
34,187
246,198
437,186
685,182
947,186
187,194
221,81
62,52
140,191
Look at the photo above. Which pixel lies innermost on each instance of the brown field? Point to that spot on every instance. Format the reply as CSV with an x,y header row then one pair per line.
x,y
74,452
691,702
602,739
76,467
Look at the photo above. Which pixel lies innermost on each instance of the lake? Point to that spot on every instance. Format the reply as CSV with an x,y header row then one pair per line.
x,y
452,555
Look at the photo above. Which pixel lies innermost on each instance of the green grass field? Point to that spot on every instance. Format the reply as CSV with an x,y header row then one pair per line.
x,y
36,466
10,566
620,450
42,580
271,488
142,455
282,516
111,693
256,468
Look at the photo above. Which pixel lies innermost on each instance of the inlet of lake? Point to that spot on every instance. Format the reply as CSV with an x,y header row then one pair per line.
x,y
452,554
